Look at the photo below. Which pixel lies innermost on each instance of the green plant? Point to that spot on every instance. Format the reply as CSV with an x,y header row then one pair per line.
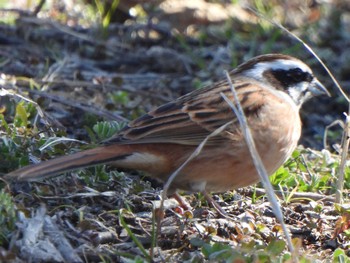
x,y
247,252
7,216
305,172
134,238
106,15
105,129
340,255
17,134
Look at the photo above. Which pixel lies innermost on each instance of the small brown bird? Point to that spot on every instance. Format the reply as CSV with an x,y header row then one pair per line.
x,y
271,88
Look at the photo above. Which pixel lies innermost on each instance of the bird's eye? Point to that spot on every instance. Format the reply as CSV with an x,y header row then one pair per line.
x,y
298,75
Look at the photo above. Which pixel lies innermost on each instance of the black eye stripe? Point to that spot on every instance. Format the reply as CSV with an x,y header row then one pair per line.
x,y
291,76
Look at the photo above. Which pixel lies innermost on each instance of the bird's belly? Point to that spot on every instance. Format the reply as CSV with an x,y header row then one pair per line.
x,y
225,168
226,172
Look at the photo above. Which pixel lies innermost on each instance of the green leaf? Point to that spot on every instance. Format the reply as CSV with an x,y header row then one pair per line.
x,y
276,247
132,235
21,114
7,216
4,124
339,255
105,130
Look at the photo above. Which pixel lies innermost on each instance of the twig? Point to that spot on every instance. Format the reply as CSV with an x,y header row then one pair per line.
x,y
5,92
67,30
75,83
257,160
345,142
306,46
336,122
38,8
298,195
344,154
83,106
195,153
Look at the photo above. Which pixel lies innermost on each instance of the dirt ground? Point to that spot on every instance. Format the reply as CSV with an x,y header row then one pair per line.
x,y
79,73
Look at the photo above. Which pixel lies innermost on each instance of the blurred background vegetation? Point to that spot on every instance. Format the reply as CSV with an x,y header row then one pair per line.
x,y
72,73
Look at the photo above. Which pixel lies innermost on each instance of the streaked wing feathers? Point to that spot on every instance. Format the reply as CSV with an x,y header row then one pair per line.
x,y
189,119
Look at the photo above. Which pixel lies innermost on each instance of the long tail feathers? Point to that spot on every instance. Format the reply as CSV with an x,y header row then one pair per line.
x,y
62,164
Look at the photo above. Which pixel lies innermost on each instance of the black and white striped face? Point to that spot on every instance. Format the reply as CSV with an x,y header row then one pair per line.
x,y
284,73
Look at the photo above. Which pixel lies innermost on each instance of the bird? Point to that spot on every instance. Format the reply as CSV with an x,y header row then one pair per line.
x,y
271,89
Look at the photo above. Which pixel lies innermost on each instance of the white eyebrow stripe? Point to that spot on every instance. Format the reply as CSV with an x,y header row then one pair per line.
x,y
257,71
288,64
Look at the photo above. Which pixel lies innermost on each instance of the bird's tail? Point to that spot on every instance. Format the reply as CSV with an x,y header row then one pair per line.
x,y
100,155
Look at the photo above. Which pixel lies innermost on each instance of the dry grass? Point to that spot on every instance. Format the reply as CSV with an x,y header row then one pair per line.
x,y
79,74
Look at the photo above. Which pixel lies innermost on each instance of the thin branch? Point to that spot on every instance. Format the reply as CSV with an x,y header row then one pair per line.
x,y
257,160
344,154
298,196
195,153
307,47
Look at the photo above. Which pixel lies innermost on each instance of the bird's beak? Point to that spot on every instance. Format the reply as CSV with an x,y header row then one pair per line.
x,y
317,88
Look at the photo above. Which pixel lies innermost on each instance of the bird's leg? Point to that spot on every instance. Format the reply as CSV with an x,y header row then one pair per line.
x,y
182,202
214,204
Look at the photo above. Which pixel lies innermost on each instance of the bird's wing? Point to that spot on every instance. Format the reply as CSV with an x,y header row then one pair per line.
x,y
191,118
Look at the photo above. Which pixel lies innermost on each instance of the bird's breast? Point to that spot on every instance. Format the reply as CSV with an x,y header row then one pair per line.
x,y
275,129
279,133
